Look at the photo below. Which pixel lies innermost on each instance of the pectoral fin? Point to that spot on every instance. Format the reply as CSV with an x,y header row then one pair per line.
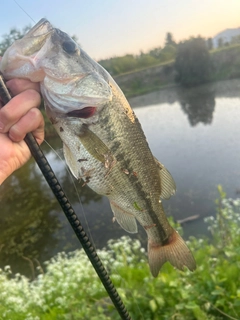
x,y
168,186
125,219
95,146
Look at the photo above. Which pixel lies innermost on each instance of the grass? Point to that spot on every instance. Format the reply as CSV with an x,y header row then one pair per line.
x,y
70,289
225,48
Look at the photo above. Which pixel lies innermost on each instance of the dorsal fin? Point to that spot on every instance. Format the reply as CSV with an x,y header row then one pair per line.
x,y
168,186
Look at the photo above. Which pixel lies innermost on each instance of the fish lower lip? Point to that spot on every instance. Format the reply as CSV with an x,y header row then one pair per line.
x,y
82,113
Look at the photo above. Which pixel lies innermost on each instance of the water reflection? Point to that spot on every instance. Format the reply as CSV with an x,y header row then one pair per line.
x,y
199,157
198,103
31,222
27,224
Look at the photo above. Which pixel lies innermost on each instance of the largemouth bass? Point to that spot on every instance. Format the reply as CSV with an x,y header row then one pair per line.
x,y
103,141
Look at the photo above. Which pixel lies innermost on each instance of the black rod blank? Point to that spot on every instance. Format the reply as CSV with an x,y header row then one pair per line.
x,y
70,214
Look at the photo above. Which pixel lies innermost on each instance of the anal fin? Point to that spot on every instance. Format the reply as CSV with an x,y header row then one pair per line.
x,y
175,251
126,220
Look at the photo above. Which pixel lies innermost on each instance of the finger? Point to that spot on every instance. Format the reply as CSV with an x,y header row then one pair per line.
x,y
17,107
33,122
18,85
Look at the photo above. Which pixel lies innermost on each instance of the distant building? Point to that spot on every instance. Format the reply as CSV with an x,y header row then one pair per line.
x,y
226,36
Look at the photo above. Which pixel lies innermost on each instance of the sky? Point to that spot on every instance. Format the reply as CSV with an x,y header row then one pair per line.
x,y
107,28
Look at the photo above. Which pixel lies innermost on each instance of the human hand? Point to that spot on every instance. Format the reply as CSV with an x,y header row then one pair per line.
x,y
18,117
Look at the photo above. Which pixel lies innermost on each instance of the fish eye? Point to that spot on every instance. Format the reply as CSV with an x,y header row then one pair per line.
x,y
69,47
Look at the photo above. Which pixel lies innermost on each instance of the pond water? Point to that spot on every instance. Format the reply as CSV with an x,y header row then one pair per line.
x,y
193,132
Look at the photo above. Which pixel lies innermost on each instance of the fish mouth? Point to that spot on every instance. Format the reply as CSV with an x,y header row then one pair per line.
x,y
24,53
36,37
42,27
84,113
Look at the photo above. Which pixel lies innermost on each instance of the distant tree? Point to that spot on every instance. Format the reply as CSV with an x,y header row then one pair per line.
x,y
117,65
168,53
210,44
156,52
145,60
235,40
220,42
13,35
192,62
169,40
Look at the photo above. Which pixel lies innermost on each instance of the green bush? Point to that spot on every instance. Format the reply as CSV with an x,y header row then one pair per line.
x,y
192,62
70,288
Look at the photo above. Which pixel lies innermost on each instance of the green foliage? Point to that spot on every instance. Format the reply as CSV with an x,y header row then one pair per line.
x,y
220,42
210,44
192,62
236,40
118,65
129,62
168,53
169,40
70,288
156,52
226,62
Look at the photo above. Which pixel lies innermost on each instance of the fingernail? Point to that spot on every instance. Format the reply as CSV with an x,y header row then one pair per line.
x,y
1,126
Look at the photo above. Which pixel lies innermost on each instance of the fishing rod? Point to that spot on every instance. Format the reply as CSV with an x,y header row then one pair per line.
x,y
69,212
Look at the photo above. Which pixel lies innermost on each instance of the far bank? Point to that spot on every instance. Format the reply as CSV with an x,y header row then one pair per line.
x,y
225,64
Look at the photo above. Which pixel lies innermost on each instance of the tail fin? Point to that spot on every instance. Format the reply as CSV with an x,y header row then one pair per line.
x,y
176,252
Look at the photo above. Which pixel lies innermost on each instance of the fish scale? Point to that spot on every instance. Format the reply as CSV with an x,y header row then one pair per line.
x,y
128,137
103,141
